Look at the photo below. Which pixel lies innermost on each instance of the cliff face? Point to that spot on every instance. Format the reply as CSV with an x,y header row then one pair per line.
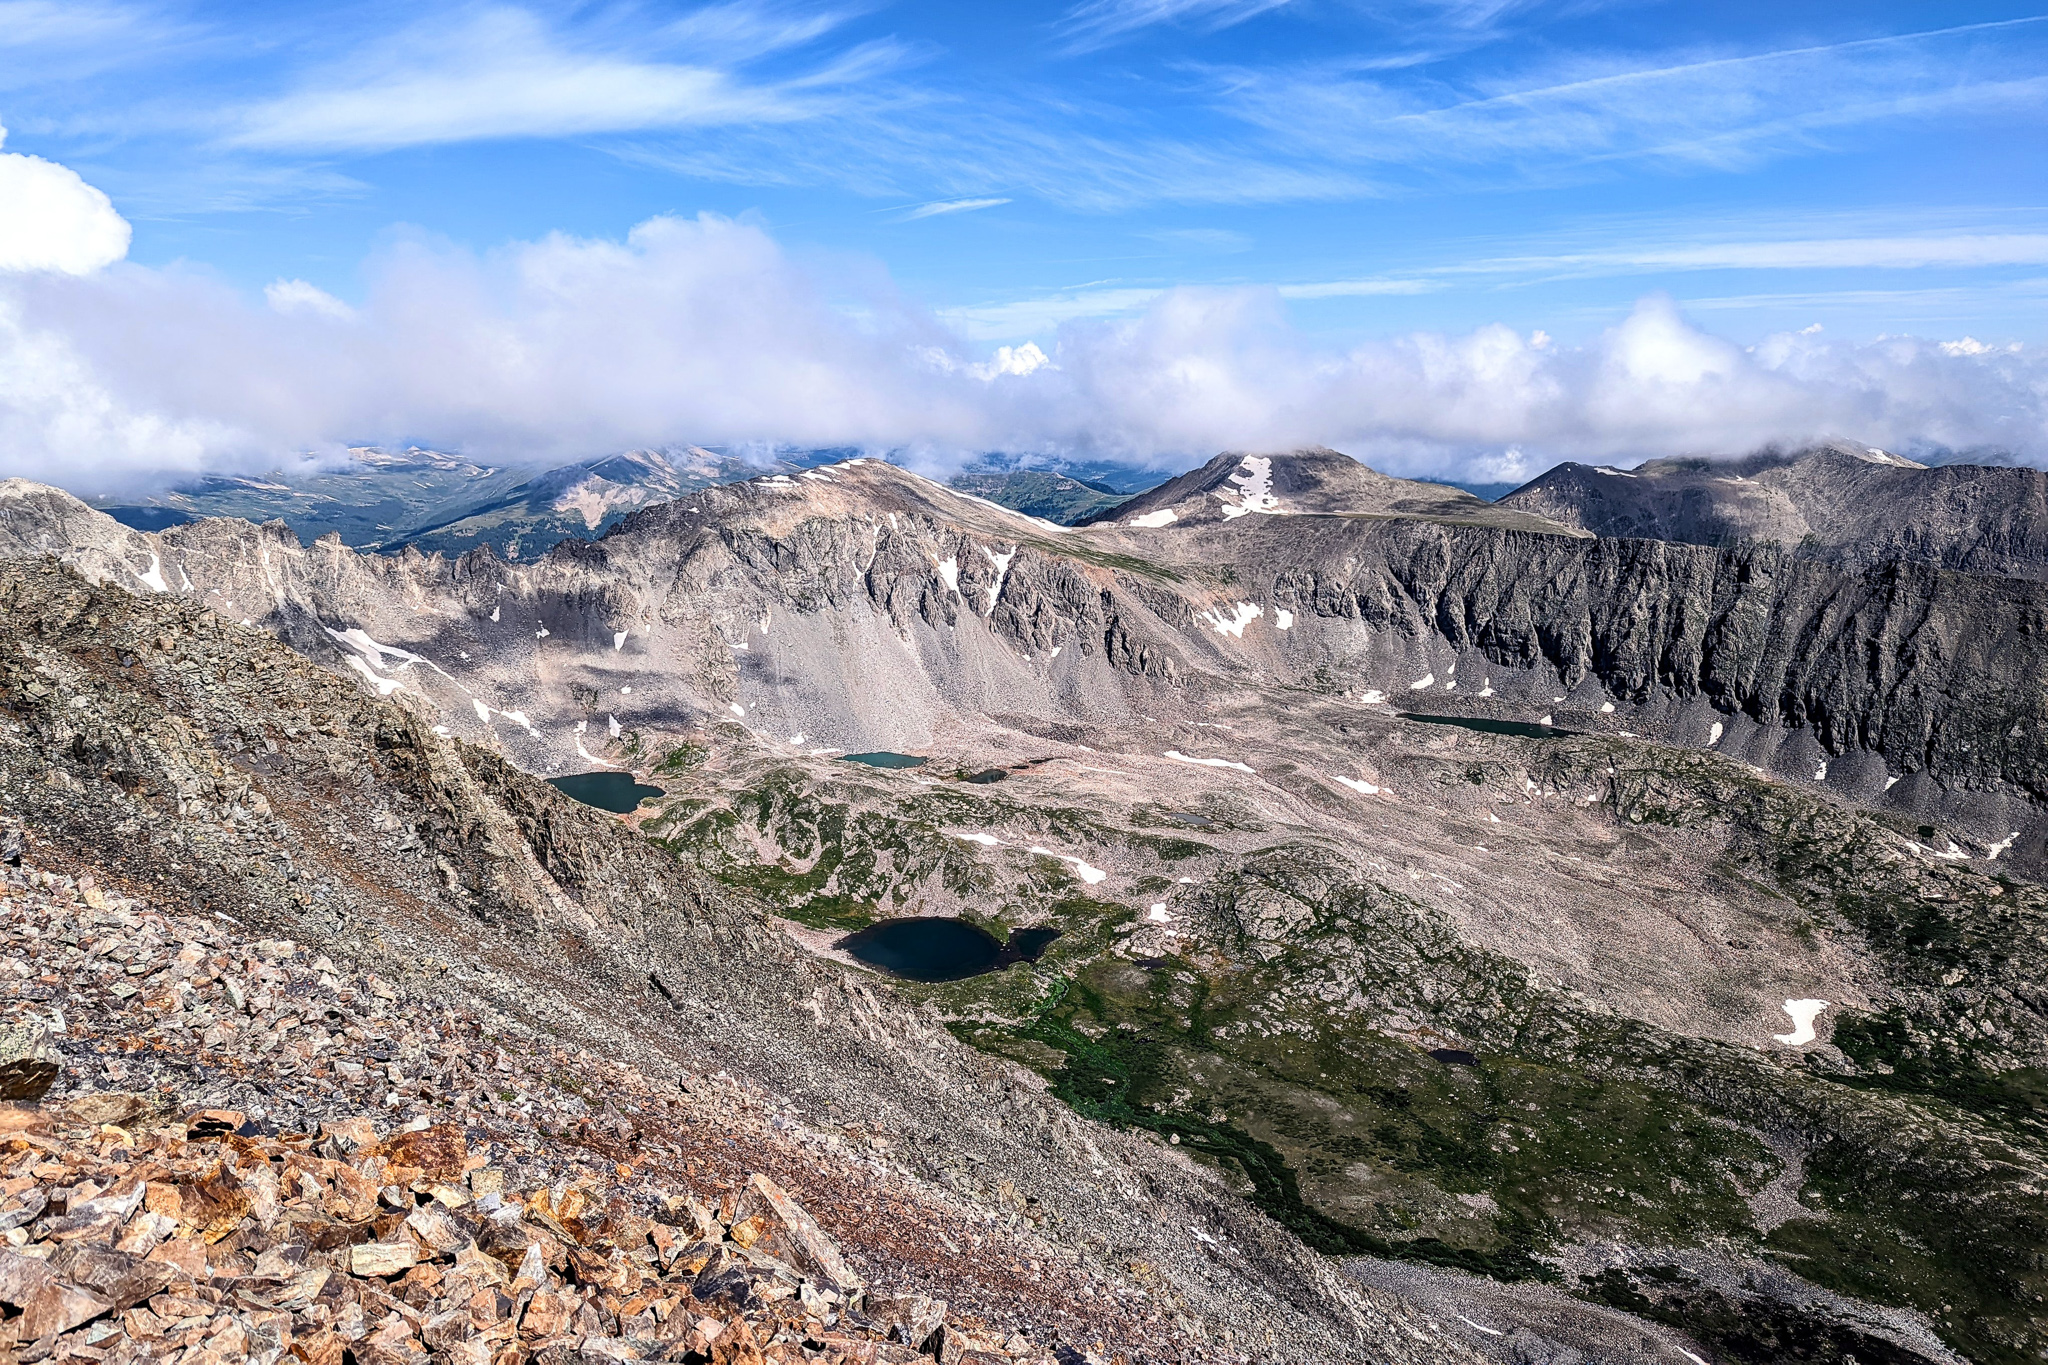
x,y
861,608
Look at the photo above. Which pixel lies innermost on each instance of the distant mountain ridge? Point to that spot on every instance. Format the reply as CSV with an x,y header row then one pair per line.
x,y
1851,505
1315,481
386,499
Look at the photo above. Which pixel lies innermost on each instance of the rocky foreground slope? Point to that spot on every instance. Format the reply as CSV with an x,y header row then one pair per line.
x,y
1648,920
196,770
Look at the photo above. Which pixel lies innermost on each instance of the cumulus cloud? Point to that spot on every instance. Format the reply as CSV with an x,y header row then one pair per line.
x,y
50,219
706,330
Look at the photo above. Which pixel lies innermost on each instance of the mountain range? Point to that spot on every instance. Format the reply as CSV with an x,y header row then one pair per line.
x,y
1591,945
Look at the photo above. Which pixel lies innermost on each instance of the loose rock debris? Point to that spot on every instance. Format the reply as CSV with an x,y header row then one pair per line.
x,y
137,1225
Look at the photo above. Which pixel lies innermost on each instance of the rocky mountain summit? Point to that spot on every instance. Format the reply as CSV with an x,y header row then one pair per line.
x,y
1648,928
1313,482
1847,505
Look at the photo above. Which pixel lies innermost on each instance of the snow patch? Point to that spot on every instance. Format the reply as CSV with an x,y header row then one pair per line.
x,y
2002,845
1002,567
1254,489
618,640
154,579
1373,697
483,713
1490,1331
1242,614
1426,680
1090,875
1283,619
985,840
1890,782
495,611
1820,773
949,569
1606,708
1714,735
1152,521
1178,756
385,686
1359,785
1157,914
589,757
1803,1013
737,709
612,724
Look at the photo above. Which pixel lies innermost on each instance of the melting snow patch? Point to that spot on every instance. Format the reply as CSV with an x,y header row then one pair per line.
x,y
1426,680
2002,845
1254,482
1206,762
443,731
1055,652
949,569
1372,697
1282,618
1157,914
1820,773
612,723
1242,615
1486,688
385,686
1002,565
541,634
589,757
1152,521
1714,735
796,739
1606,708
1493,1332
1363,788
495,611
1544,721
483,713
1803,1013
154,579
1890,782
985,840
618,640
625,691
1090,875
737,709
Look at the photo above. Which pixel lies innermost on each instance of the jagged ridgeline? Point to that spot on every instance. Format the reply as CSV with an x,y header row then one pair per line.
x,y
1647,927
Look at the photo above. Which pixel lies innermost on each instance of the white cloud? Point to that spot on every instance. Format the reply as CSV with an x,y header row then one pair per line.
x,y
502,73
706,330
943,206
1098,23
1589,111
51,220
297,296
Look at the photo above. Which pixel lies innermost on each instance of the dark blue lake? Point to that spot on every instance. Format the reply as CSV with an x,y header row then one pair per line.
x,y
885,759
936,948
619,793
1521,729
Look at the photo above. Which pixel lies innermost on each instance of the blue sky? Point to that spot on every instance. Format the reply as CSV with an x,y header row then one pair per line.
x,y
1350,172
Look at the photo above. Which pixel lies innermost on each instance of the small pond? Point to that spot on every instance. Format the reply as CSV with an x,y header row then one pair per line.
x,y
616,792
1521,729
1188,817
937,948
984,777
885,759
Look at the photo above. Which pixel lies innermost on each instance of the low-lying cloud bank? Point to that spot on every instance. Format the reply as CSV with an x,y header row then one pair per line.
x,y
115,375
